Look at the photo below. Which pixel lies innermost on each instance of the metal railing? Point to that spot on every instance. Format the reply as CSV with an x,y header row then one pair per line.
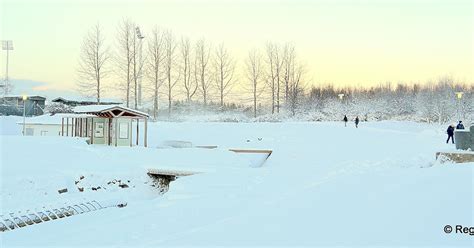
x,y
15,220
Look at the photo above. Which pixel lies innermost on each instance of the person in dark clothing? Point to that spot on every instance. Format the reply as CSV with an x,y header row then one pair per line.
x,y
450,132
357,121
345,120
460,125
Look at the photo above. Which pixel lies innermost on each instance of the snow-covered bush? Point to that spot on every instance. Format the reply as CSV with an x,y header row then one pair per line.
x,y
54,108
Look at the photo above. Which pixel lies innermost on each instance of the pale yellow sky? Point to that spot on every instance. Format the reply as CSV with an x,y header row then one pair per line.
x,y
344,42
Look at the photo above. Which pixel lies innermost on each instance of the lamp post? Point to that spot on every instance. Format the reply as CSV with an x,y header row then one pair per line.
x,y
459,97
24,113
341,97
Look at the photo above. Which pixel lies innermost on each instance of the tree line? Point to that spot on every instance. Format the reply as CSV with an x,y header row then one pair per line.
x,y
271,79
167,67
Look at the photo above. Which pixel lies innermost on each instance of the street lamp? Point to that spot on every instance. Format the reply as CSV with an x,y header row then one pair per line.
x,y
7,45
24,97
459,97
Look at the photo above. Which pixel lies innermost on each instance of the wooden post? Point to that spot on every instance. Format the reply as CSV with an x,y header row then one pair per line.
x,y
130,131
138,121
67,126
116,132
62,126
87,129
92,131
80,129
146,133
73,127
110,131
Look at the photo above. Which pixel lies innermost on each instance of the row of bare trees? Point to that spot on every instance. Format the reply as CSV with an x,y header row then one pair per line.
x,y
179,68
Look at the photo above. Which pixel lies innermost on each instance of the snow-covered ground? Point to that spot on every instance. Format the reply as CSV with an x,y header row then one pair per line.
x,y
323,185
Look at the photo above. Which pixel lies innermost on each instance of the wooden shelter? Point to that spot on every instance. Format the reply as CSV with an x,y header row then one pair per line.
x,y
111,125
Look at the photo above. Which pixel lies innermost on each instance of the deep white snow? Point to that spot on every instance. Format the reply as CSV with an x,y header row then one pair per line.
x,y
323,185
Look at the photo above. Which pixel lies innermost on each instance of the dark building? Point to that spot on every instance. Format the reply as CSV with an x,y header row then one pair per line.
x,y
13,105
74,103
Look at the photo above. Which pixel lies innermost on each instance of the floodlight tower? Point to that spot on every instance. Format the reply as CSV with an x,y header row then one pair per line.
x,y
7,45
140,38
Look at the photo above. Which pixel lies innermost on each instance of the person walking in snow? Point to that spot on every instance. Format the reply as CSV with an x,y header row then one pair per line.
x,y
460,125
450,132
357,121
345,120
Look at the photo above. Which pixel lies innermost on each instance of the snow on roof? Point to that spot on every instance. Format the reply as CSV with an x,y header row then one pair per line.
x,y
21,96
52,119
85,99
103,108
93,108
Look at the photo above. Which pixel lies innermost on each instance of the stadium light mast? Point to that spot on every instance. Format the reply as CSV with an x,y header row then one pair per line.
x,y
7,45
140,37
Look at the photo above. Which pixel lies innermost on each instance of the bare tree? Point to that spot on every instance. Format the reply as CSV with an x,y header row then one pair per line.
x,y
124,55
254,75
201,71
288,60
295,87
156,54
224,66
271,73
190,86
278,66
94,56
171,79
